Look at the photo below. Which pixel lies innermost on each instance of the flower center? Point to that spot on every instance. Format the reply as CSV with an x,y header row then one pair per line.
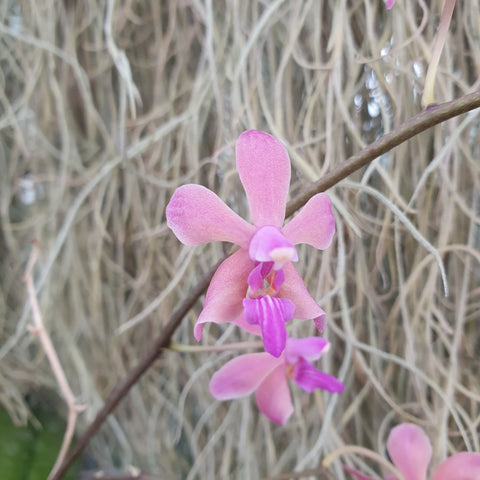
x,y
262,307
269,245
270,285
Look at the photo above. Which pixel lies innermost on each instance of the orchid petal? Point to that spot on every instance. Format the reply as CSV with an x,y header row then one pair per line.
x,y
273,396
410,450
294,290
320,321
310,348
242,375
309,378
271,314
266,268
269,244
248,327
196,215
255,279
461,466
264,168
228,287
314,224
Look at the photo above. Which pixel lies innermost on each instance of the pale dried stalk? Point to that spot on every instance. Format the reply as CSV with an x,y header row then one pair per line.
x,y
327,461
38,329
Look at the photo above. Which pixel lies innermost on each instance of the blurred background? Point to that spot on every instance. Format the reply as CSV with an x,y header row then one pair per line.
x,y
107,107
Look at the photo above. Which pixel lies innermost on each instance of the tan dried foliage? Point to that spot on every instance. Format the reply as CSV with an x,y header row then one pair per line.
x,y
107,107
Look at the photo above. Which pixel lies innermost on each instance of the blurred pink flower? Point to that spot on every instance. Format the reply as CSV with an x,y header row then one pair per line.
x,y
411,452
257,287
267,377
389,4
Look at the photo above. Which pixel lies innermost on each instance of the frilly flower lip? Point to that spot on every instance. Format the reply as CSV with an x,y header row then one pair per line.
x,y
267,377
197,215
411,451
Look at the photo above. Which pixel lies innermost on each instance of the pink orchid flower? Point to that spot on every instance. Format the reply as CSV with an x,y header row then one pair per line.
x,y
267,377
411,452
257,287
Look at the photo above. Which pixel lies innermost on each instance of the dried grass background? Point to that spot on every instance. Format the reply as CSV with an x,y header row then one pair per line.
x,y
91,181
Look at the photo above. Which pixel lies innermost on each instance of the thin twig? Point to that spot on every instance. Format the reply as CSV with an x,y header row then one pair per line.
x,y
428,118
38,329
424,120
327,461
320,473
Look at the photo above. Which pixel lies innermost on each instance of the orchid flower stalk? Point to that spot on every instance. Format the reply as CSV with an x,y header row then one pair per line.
x,y
257,287
411,451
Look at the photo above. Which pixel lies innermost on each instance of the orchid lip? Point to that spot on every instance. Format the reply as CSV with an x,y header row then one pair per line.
x,y
271,314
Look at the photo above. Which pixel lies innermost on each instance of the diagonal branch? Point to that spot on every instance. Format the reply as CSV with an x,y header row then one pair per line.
x,y
124,386
431,116
428,118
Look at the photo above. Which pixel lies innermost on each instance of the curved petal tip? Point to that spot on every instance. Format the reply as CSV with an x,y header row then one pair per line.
x,y
314,224
461,466
264,168
410,450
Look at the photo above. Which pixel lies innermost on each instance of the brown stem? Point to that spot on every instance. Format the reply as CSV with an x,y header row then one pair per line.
x,y
431,116
124,386
428,118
